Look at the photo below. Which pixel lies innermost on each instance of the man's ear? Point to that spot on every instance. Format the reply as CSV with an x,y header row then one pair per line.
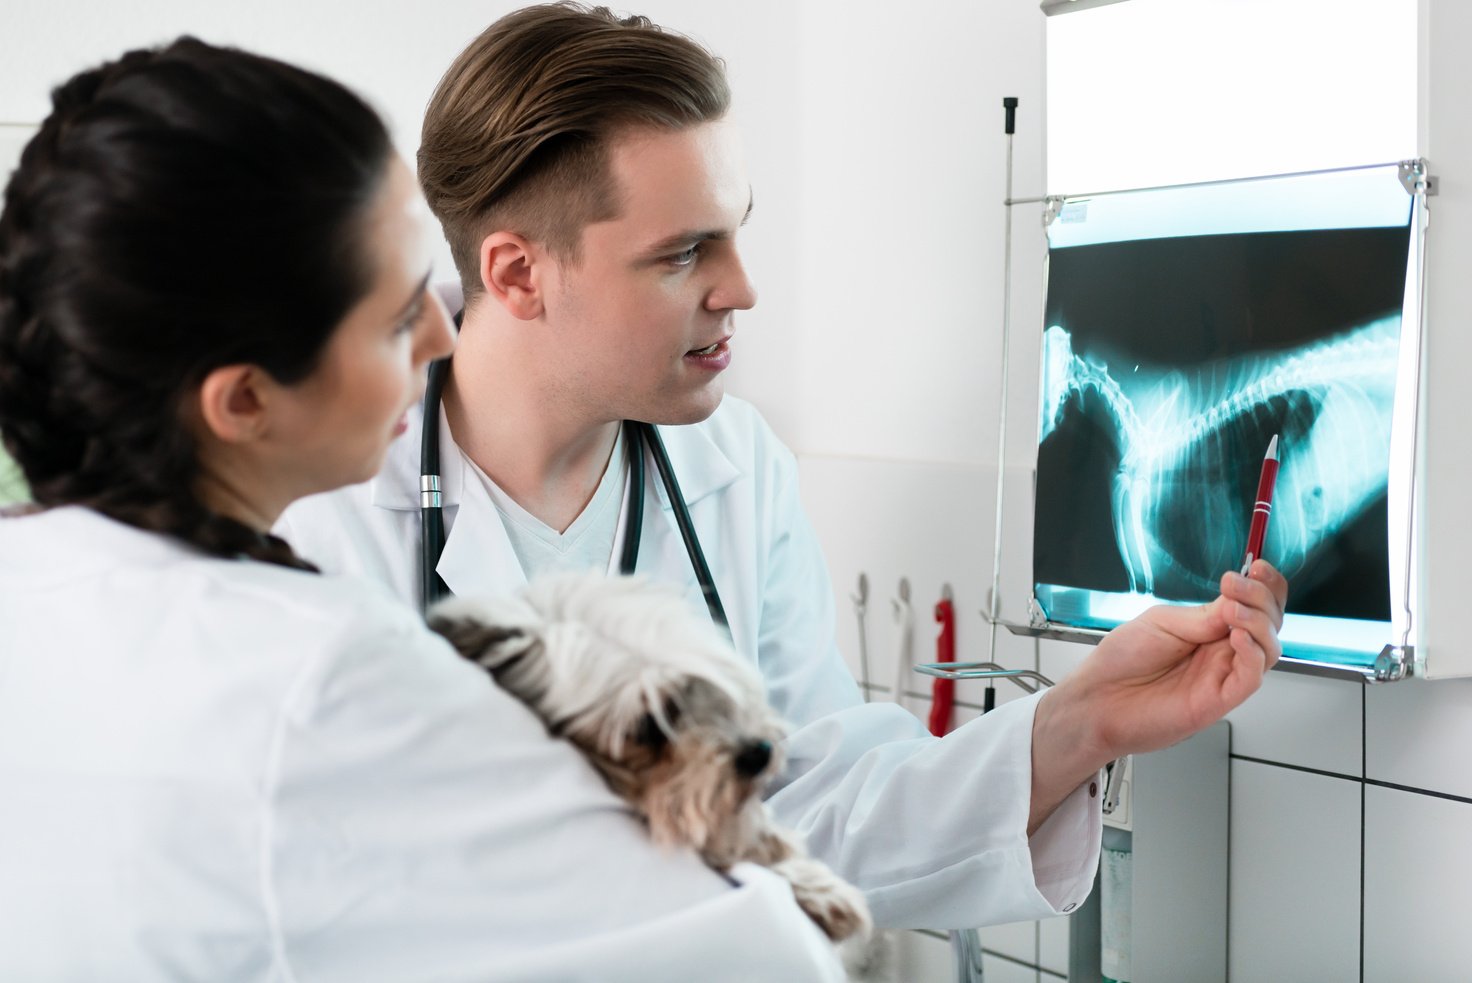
x,y
232,403
512,275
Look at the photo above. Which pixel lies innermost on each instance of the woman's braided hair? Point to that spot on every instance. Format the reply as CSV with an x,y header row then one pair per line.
x,y
181,209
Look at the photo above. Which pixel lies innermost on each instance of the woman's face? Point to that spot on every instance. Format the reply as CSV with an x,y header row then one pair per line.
x,y
334,427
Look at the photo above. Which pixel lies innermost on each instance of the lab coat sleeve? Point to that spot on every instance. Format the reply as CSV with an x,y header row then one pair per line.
x,y
420,824
933,830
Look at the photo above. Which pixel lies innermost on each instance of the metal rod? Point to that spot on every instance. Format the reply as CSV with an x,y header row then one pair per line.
x,y
1228,180
995,601
1421,223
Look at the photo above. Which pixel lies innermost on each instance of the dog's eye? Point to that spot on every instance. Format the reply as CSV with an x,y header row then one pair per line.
x,y
650,734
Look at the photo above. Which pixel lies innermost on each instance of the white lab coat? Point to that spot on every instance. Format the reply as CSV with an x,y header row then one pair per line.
x,y
934,831
225,770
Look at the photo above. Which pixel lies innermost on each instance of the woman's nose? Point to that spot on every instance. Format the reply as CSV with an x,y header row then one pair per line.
x,y
436,336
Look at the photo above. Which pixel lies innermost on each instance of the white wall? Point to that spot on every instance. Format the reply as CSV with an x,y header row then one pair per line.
x,y
875,146
1350,804
394,53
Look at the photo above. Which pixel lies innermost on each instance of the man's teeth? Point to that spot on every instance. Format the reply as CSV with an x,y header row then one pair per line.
x,y
707,350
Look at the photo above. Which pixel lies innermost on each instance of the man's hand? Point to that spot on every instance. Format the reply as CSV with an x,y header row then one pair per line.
x,y
1155,681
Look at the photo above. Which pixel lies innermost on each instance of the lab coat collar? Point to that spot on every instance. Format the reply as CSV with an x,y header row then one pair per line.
x,y
701,467
478,556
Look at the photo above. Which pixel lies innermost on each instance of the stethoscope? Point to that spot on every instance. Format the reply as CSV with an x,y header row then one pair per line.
x,y
637,436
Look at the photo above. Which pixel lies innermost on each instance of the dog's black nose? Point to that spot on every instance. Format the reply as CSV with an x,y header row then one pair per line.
x,y
753,758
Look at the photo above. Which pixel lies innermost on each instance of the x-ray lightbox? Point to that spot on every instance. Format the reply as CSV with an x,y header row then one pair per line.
x,y
1183,328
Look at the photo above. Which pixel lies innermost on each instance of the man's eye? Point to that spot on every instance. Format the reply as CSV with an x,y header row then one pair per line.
x,y
685,258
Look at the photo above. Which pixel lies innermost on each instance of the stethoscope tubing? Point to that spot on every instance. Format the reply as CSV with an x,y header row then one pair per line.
x,y
637,437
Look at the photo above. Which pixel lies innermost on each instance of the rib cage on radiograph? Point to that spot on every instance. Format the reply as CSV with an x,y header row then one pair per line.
x,y
1189,445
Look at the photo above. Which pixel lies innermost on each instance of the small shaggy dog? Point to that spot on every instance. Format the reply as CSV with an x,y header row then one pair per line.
x,y
655,697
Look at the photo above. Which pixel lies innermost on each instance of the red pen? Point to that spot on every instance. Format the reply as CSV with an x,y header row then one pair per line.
x,y
1262,509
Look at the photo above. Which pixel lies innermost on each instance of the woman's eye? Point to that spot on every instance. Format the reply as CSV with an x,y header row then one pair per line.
x,y
407,324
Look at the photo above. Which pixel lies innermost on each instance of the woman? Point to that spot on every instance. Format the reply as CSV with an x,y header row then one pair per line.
x,y
216,763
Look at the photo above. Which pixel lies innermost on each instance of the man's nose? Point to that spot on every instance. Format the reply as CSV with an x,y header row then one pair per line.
x,y
735,292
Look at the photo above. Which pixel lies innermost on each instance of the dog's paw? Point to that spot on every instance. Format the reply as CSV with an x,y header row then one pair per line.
x,y
837,907
870,959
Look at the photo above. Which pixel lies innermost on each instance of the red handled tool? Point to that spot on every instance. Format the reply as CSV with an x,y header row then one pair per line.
x,y
943,691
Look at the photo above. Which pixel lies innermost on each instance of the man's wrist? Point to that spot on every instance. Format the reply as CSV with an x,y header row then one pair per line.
x,y
1066,751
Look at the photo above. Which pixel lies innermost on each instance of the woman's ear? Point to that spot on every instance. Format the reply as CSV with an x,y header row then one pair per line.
x,y
511,273
232,403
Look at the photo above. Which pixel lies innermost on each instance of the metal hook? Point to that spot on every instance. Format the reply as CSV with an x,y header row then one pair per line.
x,y
904,616
983,670
861,608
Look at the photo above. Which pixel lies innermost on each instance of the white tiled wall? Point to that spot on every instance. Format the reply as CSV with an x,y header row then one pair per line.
x,y
1402,721
1294,892
1418,891
1301,720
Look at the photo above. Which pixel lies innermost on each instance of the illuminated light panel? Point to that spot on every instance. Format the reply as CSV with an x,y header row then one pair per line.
x,y
1184,328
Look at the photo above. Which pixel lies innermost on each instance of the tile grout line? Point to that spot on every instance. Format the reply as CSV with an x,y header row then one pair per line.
x,y
1292,767
1375,782
1228,919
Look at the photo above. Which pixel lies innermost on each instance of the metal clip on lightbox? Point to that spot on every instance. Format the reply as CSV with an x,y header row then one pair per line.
x,y
1183,328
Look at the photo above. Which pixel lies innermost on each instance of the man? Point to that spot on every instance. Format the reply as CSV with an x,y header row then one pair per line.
x,y
592,190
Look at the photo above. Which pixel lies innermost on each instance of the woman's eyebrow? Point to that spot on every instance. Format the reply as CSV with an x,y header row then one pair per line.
x,y
417,296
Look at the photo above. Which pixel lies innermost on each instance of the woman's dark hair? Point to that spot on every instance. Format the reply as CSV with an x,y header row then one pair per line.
x,y
181,209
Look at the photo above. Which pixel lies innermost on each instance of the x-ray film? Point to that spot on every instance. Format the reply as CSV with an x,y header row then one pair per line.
x,y
1183,328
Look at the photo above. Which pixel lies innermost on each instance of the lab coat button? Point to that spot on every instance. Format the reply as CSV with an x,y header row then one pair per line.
x,y
1093,790
1070,906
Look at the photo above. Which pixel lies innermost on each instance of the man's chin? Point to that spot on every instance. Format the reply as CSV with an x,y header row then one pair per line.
x,y
688,411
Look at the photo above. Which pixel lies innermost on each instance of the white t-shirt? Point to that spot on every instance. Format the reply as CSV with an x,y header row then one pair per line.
x,y
586,544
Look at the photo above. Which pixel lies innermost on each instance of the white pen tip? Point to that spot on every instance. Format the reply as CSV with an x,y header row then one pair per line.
x,y
1272,454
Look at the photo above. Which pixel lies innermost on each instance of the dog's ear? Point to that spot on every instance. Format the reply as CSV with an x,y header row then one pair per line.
x,y
494,647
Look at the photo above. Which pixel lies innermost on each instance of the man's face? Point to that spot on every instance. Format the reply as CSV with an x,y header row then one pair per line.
x,y
640,326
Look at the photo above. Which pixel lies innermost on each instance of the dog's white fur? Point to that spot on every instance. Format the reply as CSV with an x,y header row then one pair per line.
x,y
659,702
